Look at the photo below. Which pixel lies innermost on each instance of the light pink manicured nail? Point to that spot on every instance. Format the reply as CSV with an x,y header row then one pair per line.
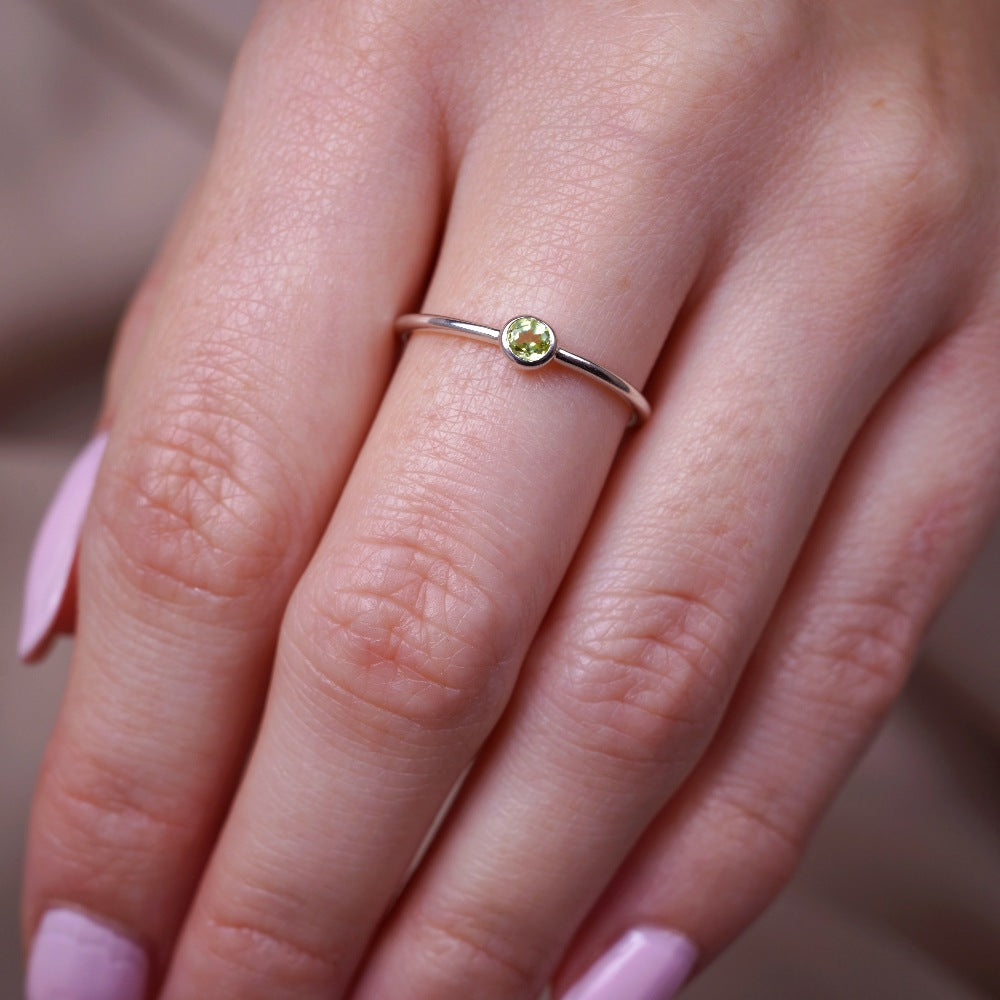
x,y
647,963
51,563
76,958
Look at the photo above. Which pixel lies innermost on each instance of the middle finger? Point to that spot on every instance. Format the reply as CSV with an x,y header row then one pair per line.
x,y
404,637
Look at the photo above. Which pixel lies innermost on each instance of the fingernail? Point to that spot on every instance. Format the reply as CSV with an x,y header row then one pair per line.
x,y
54,553
76,958
647,963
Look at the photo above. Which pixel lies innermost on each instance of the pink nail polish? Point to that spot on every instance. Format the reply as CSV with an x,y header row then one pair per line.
x,y
54,553
76,958
647,963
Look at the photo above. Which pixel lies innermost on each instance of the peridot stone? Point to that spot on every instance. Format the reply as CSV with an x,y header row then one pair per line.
x,y
529,340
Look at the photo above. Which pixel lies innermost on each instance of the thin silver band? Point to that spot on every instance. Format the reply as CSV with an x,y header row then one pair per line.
x,y
422,321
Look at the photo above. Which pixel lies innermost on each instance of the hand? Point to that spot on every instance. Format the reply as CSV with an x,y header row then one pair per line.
x,y
660,658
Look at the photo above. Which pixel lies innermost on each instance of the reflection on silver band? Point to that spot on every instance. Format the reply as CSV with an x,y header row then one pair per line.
x,y
530,343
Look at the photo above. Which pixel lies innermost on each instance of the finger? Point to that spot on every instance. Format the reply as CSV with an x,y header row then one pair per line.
x,y
635,664
258,374
50,583
139,312
403,638
904,518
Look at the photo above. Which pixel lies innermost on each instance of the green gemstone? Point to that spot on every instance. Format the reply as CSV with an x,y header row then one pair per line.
x,y
529,338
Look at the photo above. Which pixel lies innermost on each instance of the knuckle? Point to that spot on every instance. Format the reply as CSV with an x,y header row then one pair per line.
x,y
195,508
919,166
106,816
717,58
471,947
650,674
865,647
748,42
406,627
259,951
305,53
901,164
751,822
349,76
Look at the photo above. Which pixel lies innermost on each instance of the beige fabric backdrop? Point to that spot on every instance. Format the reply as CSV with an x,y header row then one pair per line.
x,y
105,114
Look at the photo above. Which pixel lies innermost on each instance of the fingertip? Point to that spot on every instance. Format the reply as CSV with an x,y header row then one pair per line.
x,y
646,963
75,957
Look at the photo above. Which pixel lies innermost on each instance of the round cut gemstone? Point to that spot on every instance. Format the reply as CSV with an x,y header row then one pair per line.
x,y
529,340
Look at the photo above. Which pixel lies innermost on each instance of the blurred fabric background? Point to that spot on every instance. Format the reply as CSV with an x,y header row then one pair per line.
x,y
106,112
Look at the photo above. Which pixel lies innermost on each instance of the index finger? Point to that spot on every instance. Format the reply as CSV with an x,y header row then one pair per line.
x,y
259,372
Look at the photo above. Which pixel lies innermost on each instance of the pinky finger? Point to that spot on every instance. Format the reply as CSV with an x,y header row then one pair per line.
x,y
910,506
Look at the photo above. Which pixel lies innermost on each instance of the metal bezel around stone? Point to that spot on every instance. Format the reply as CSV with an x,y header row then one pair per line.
x,y
513,326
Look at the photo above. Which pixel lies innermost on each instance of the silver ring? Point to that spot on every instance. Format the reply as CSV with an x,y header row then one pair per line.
x,y
530,343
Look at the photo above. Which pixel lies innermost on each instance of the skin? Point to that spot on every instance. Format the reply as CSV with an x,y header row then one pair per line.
x,y
660,653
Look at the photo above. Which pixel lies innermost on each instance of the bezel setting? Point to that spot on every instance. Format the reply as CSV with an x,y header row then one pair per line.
x,y
535,327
